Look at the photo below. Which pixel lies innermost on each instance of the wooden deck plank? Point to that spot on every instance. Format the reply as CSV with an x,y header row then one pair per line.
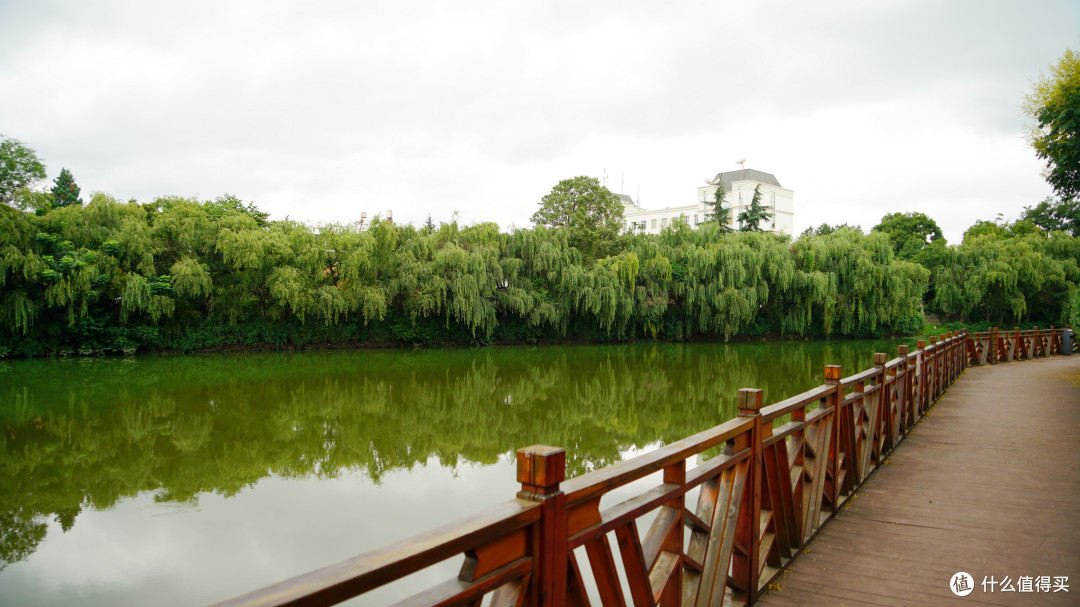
x,y
988,483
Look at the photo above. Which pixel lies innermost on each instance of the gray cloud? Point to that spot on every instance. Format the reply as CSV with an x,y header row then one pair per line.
x,y
320,112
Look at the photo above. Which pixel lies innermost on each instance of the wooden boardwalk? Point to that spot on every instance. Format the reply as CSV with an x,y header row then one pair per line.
x,y
987,483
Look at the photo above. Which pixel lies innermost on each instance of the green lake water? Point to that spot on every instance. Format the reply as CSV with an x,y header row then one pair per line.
x,y
183,480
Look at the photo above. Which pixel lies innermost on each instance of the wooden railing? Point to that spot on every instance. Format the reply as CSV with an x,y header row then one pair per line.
x,y
722,526
997,346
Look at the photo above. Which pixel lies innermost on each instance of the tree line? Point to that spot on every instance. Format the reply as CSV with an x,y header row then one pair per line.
x,y
1003,273
184,274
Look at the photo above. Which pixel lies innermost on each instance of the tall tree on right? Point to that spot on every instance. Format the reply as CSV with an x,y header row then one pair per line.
x,y
751,218
66,191
1052,215
1054,105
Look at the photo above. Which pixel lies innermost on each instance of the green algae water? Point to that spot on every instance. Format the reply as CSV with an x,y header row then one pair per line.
x,y
183,480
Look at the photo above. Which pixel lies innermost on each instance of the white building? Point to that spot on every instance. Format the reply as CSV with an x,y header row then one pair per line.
x,y
739,185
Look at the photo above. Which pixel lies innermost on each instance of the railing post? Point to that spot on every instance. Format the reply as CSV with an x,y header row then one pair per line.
x,y
960,361
884,406
950,356
832,378
905,390
920,373
935,370
749,401
946,354
957,363
964,360
540,469
993,345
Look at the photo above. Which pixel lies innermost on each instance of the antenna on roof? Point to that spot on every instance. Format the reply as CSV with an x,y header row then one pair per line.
x,y
741,162
639,194
622,181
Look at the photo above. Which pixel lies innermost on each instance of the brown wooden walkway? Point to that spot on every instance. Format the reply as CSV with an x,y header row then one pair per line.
x,y
988,483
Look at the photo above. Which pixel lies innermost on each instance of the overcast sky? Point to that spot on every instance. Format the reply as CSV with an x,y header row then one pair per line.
x,y
321,110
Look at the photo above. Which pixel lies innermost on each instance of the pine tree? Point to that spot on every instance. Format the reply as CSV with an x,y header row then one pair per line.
x,y
752,217
721,215
66,191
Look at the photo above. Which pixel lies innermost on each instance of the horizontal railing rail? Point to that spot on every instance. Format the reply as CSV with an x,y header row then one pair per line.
x,y
734,505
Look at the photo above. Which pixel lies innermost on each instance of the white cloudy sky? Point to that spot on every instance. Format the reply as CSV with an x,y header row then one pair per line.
x,y
321,110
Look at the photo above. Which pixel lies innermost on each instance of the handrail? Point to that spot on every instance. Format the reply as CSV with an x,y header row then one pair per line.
x,y
597,482
346,579
758,503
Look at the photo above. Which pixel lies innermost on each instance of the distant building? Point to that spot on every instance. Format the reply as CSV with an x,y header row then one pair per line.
x,y
739,185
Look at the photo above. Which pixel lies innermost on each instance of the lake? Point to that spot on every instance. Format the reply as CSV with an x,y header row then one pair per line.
x,y
183,480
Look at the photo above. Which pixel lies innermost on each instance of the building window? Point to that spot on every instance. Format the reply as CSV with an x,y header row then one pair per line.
x,y
696,222
663,222
654,224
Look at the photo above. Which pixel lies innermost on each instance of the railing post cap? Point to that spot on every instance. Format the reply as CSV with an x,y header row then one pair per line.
x,y
920,344
749,401
832,374
541,468
903,349
933,339
880,358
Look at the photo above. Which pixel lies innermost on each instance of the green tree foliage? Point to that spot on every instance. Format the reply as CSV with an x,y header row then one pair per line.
x,y
826,229
753,216
1054,105
20,168
910,233
65,191
917,238
868,290
1001,277
592,213
1053,215
183,274
227,203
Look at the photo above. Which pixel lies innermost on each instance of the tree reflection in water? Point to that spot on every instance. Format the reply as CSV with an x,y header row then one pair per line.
x,y
87,433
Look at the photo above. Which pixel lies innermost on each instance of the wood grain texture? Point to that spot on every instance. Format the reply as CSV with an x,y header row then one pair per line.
x,y
988,483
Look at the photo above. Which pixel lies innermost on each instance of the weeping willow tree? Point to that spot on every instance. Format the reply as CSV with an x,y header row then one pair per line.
x,y
1006,278
180,273
861,287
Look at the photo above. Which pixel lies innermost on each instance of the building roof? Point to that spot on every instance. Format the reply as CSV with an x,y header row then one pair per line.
x,y
725,179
